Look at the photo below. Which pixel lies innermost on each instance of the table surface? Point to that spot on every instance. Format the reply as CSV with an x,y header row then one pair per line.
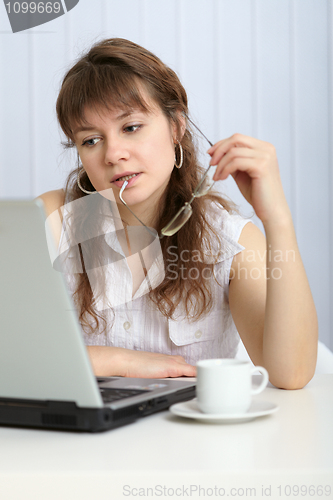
x,y
296,440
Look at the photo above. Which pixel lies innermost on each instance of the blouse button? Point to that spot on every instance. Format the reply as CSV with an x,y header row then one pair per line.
x,y
127,325
198,334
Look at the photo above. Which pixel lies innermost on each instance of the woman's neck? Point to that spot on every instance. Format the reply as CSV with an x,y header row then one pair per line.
x,y
128,219
148,212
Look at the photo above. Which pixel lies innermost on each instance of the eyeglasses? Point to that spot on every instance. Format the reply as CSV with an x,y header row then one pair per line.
x,y
183,215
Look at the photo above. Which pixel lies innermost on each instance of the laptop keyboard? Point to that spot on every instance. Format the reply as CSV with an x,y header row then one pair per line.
x,y
112,394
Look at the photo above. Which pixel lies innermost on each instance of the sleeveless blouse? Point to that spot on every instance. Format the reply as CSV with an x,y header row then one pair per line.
x,y
134,322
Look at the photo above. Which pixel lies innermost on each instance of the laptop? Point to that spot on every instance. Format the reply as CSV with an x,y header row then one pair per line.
x,y
46,378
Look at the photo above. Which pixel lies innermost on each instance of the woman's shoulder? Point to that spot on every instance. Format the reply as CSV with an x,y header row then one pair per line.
x,y
52,200
229,223
224,228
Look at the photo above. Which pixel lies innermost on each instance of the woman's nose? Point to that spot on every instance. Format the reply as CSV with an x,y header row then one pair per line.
x,y
116,150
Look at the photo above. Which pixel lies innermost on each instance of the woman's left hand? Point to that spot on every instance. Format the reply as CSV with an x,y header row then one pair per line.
x,y
253,165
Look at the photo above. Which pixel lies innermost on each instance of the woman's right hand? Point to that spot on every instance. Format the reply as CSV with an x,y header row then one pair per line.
x,y
116,361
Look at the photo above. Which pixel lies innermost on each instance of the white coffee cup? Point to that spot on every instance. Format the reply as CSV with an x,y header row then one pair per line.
x,y
224,386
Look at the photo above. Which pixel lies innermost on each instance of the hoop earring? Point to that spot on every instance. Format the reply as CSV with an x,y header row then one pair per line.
x,y
181,156
79,182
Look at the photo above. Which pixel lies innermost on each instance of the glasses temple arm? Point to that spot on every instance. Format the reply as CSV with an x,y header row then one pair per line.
x,y
194,125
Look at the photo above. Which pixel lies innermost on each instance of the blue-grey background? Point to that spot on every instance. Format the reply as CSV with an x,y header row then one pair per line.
x,y
259,67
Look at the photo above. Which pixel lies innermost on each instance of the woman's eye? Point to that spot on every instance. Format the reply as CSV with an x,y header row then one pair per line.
x,y
132,128
91,142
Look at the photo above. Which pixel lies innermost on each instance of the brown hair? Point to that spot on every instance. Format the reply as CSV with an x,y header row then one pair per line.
x,y
110,76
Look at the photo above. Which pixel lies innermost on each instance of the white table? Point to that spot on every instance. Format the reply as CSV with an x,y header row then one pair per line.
x,y
170,456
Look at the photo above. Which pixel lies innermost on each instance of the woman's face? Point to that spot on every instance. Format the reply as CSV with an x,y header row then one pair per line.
x,y
128,143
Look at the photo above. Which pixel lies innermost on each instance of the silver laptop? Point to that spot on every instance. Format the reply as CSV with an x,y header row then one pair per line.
x,y
46,378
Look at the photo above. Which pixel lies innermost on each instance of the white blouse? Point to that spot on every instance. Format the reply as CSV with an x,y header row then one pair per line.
x,y
134,322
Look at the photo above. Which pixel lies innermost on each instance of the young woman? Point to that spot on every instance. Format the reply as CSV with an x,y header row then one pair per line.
x,y
215,277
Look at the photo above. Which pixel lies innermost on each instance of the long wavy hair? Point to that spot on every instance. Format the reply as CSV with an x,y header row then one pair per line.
x,y
110,76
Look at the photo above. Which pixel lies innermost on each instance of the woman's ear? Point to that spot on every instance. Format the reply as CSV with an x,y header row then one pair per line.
x,y
180,127
182,121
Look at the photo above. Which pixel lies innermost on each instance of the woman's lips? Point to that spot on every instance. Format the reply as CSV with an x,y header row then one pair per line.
x,y
130,181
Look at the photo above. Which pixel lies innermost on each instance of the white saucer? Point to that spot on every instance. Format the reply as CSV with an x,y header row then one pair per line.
x,y
189,409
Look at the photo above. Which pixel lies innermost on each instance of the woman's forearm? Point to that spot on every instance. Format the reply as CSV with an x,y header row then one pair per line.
x,y
106,360
109,361
291,326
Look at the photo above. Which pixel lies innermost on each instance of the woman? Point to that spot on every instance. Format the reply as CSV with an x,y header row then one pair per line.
x,y
125,112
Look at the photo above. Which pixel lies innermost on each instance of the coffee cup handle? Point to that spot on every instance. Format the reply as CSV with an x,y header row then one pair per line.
x,y
264,381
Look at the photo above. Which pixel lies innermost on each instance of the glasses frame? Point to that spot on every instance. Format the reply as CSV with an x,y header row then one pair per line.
x,y
186,204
